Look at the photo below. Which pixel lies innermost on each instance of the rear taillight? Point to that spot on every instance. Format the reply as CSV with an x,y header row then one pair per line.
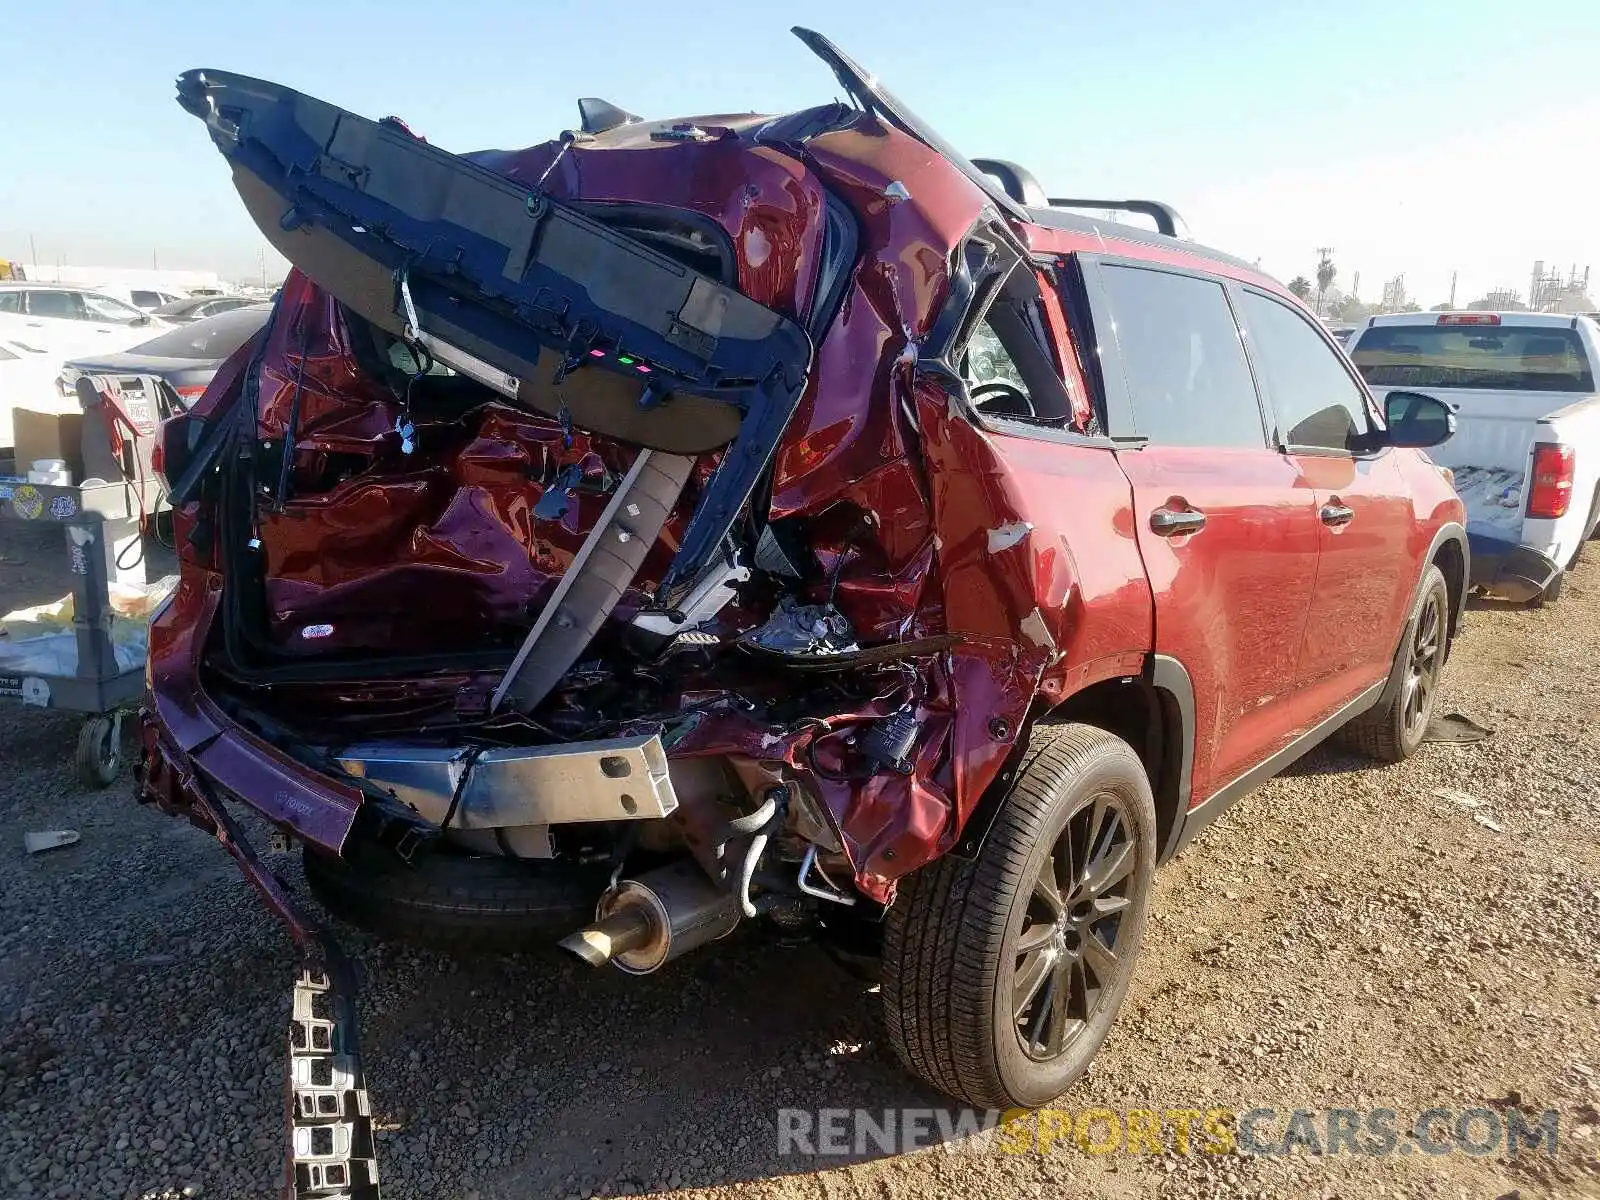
x,y
1469,319
1550,486
176,442
190,394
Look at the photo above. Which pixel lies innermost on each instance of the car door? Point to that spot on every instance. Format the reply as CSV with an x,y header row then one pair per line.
x,y
1226,523
1367,565
58,316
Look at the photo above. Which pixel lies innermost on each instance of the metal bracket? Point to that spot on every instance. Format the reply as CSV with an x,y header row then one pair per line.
x,y
331,1152
807,865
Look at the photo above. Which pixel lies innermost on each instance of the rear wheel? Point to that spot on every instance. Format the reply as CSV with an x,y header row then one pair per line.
x,y
1552,590
1002,975
1393,731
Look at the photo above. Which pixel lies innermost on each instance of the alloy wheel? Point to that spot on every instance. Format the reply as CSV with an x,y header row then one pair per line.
x,y
1422,667
1067,953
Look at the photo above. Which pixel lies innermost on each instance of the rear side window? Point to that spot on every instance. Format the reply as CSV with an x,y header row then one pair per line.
x,y
1181,358
1512,358
11,302
1318,403
146,299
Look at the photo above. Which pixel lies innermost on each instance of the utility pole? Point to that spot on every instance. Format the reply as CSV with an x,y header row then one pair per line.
x,y
1452,289
33,252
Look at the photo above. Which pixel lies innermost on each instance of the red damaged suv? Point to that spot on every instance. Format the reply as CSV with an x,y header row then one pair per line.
x,y
780,520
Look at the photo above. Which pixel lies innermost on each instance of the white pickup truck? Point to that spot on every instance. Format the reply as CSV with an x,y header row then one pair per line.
x,y
1526,453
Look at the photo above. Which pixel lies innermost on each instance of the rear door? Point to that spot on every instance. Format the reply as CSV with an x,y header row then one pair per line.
x,y
1226,524
1367,567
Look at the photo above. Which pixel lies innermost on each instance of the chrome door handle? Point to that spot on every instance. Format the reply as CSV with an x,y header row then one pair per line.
x,y
1336,514
1169,522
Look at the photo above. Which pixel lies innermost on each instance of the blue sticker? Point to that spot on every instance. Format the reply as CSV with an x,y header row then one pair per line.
x,y
62,507
7,491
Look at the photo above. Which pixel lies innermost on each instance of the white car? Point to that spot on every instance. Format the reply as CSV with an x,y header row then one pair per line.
x,y
67,321
27,380
1526,453
143,298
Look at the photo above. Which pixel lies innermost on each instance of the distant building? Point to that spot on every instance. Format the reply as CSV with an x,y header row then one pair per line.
x,y
179,282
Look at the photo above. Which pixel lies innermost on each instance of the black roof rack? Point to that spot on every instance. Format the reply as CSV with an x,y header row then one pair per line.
x,y
1020,184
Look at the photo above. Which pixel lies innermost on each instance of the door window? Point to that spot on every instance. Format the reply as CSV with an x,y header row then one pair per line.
x,y
11,302
1181,357
54,304
1319,405
1007,365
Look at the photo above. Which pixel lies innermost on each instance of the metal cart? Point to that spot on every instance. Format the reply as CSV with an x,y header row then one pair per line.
x,y
100,523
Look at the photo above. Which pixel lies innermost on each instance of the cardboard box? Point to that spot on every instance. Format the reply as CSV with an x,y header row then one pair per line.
x,y
48,434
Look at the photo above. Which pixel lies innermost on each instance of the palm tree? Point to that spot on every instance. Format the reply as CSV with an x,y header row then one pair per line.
x,y
1325,275
1300,286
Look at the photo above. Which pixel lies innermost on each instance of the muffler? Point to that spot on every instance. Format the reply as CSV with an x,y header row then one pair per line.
x,y
642,924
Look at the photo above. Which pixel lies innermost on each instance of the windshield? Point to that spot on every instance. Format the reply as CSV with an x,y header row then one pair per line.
x,y
213,338
104,308
1513,358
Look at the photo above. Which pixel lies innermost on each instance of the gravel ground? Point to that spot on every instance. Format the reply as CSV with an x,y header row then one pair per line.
x,y
1347,937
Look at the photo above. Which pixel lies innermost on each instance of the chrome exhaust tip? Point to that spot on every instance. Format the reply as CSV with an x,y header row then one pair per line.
x,y
619,933
642,924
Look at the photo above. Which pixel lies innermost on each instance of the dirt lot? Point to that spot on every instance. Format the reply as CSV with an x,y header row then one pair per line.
x,y
1345,938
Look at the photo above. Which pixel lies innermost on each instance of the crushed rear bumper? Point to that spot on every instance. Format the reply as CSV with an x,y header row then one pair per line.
x,y
1514,572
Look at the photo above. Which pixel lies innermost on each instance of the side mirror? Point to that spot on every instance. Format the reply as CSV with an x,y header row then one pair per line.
x,y
1416,420
141,319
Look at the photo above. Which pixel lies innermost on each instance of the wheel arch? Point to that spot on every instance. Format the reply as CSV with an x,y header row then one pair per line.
x,y
1450,554
1153,712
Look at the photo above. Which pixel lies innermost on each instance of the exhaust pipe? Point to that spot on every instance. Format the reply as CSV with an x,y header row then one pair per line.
x,y
642,924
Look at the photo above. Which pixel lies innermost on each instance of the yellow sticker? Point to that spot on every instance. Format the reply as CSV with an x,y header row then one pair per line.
x,y
28,502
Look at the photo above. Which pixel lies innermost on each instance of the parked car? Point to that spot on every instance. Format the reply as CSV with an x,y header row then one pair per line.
x,y
65,320
193,308
784,524
1526,455
182,360
146,299
27,380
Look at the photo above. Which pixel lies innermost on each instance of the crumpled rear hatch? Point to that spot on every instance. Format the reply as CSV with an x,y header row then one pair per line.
x,y
644,390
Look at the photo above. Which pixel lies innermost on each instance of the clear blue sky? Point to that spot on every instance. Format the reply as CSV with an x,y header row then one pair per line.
x,y
1275,128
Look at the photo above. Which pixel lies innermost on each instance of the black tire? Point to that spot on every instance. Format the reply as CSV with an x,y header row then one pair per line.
x,y
99,754
1552,591
952,937
455,901
1393,731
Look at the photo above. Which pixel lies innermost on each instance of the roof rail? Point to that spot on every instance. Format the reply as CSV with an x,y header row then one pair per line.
x,y
1164,215
1019,183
